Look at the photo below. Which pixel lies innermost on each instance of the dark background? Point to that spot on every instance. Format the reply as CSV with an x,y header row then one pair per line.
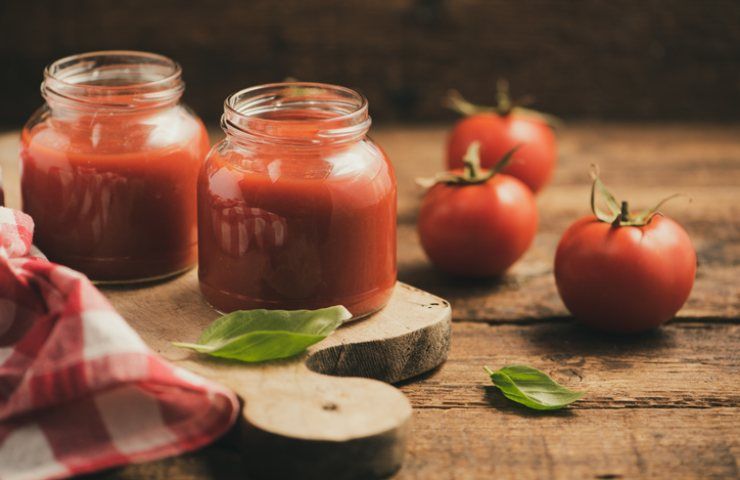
x,y
618,59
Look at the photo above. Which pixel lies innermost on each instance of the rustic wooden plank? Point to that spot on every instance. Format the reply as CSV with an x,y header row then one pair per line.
x,y
459,443
683,365
656,406
625,59
599,444
471,444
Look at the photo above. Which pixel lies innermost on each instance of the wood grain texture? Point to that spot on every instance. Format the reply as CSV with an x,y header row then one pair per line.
x,y
686,365
659,406
625,58
595,444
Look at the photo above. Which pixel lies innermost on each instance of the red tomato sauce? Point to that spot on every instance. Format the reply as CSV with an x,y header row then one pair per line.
x,y
297,228
115,200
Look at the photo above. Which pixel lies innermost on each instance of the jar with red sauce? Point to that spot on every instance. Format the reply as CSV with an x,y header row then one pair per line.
x,y
109,167
297,205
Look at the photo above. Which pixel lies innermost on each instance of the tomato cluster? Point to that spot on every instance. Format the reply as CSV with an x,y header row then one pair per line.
x,y
614,270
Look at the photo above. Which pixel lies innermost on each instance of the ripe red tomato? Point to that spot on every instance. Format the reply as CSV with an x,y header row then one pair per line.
x,y
477,228
498,134
624,279
499,130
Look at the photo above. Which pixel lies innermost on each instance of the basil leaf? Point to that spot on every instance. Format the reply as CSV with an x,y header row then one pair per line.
x,y
532,388
261,335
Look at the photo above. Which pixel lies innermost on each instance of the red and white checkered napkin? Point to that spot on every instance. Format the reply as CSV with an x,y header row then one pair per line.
x,y
79,390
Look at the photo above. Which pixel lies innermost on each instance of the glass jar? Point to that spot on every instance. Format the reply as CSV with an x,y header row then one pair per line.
x,y
109,167
297,206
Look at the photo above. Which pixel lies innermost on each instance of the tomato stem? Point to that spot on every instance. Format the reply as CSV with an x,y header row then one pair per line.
x,y
625,211
472,173
618,214
471,162
456,102
503,99
504,106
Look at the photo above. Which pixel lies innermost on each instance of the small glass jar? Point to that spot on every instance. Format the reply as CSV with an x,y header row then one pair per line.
x,y
109,167
297,206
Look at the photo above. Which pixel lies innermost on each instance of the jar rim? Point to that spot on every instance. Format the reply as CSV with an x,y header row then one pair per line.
x,y
345,112
114,78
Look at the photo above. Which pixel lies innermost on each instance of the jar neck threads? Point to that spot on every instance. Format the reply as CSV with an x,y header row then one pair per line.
x,y
296,113
115,80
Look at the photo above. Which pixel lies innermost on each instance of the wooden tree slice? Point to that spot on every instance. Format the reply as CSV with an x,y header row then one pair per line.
x,y
302,417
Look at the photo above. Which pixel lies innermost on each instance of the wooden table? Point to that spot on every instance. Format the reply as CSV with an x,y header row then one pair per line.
x,y
660,405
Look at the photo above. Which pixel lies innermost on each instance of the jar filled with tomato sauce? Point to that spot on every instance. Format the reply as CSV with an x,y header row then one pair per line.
x,y
109,167
297,205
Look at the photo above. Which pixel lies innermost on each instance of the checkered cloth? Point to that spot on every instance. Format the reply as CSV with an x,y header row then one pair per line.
x,y
79,390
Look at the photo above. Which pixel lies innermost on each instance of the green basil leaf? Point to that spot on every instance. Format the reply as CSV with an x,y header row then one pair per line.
x,y
532,388
261,335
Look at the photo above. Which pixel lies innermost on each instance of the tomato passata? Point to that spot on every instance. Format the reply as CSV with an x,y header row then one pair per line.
x,y
499,130
624,273
474,223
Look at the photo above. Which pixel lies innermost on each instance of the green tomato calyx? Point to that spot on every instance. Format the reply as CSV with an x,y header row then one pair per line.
x,y
504,106
618,213
473,173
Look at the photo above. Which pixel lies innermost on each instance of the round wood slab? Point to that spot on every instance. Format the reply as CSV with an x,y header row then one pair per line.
x,y
303,417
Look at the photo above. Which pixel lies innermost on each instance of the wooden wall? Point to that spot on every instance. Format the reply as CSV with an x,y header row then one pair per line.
x,y
626,59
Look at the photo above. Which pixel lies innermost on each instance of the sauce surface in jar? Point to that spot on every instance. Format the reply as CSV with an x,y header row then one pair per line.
x,y
110,167
297,206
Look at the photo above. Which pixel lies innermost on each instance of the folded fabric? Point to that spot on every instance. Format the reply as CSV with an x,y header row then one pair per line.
x,y
79,390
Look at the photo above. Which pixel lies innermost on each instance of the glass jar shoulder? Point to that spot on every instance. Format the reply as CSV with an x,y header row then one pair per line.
x,y
114,133
350,177
361,160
